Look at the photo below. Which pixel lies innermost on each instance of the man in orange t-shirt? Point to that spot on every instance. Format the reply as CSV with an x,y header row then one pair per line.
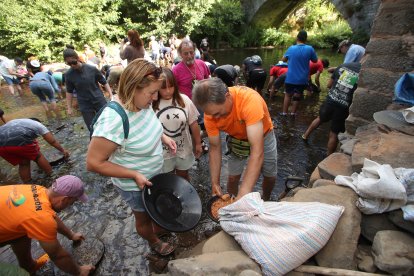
x,y
28,212
242,113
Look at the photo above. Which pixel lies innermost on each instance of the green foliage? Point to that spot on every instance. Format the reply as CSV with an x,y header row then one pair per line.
x,y
331,35
223,22
274,37
164,17
43,27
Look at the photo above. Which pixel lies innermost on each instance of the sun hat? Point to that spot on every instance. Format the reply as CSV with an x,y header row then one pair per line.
x,y
343,43
395,118
35,63
70,185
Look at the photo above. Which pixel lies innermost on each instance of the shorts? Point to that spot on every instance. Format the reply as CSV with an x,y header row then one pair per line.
x,y
279,82
43,89
335,113
269,168
295,88
257,79
11,81
15,154
178,163
133,198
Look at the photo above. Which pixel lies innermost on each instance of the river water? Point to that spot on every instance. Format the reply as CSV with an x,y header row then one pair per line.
x,y
106,217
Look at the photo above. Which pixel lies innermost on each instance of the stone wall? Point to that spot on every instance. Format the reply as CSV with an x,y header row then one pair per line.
x,y
389,54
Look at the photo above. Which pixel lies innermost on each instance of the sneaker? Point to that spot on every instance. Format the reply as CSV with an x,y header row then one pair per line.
x,y
292,114
303,138
282,114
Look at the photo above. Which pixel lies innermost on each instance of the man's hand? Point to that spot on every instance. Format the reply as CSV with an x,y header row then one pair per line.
x,y
86,269
66,154
198,150
216,190
77,237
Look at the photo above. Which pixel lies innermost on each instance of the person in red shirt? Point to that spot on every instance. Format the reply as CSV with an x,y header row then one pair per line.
x,y
29,212
316,68
277,77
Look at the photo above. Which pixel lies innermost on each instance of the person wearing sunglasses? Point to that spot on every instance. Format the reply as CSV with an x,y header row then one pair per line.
x,y
131,161
84,79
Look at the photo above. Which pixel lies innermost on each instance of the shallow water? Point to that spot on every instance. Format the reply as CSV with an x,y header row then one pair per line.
x,y
108,218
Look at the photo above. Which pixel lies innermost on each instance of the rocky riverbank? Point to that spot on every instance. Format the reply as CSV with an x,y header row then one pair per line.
x,y
378,243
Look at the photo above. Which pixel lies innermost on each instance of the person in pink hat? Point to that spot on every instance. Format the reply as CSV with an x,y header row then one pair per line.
x,y
29,212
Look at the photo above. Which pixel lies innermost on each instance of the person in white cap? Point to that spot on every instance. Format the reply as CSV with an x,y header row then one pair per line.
x,y
29,212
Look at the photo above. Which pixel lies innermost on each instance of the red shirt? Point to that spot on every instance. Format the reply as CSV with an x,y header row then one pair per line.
x,y
277,71
315,67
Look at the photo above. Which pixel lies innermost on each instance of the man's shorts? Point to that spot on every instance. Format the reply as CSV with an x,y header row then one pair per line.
x,y
178,163
295,88
279,82
11,81
133,198
269,168
16,154
257,79
336,113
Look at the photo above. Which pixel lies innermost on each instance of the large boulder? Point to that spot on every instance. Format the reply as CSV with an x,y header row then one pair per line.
x,y
383,146
371,224
323,182
393,252
335,164
314,176
224,263
340,250
397,218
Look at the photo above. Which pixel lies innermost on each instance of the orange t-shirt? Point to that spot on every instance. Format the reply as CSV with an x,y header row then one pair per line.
x,y
26,211
248,109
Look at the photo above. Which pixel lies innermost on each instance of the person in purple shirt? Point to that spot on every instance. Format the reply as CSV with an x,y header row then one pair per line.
x,y
298,57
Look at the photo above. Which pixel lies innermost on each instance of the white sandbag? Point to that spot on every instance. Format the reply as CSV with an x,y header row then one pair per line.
x,y
279,236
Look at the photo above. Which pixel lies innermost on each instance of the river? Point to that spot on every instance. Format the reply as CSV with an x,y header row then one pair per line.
x,y
106,217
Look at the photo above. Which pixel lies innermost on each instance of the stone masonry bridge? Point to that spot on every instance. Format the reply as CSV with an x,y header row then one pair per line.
x,y
271,13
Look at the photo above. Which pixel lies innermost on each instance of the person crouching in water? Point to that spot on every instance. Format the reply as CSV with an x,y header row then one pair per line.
x,y
131,162
44,86
178,115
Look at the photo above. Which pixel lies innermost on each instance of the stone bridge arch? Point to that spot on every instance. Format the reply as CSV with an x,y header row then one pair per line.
x,y
271,13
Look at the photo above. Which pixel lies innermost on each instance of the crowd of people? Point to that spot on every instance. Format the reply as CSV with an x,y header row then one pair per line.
x,y
159,119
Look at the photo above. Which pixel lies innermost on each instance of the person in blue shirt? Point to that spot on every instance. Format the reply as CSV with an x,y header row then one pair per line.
x,y
298,57
352,52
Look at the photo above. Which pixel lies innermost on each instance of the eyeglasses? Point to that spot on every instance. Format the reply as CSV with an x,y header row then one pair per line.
x,y
72,62
156,72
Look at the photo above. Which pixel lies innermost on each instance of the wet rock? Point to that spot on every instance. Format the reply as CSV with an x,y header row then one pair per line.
x,y
335,164
371,224
397,218
392,251
224,263
322,182
340,250
384,147
314,176
365,259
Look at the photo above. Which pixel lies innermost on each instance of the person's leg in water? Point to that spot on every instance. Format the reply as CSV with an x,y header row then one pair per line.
x,y
286,103
25,171
332,142
22,249
295,99
314,125
43,164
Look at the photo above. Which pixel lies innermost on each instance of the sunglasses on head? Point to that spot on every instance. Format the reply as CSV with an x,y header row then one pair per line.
x,y
73,62
156,72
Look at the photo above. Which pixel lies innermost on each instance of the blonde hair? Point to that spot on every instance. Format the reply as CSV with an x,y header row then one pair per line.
x,y
137,75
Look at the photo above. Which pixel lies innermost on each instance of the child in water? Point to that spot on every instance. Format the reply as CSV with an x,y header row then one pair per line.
x,y
178,115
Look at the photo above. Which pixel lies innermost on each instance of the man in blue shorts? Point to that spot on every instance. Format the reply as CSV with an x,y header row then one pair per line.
x,y
342,85
298,57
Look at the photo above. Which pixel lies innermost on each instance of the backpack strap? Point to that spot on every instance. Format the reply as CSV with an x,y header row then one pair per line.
x,y
120,110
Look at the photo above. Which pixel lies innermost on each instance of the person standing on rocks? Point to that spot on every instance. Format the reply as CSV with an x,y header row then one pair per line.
x,y
84,78
18,145
29,212
352,52
342,85
298,57
242,113
131,160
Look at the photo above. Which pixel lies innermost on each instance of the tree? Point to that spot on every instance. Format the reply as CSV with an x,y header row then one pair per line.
x,y
43,27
